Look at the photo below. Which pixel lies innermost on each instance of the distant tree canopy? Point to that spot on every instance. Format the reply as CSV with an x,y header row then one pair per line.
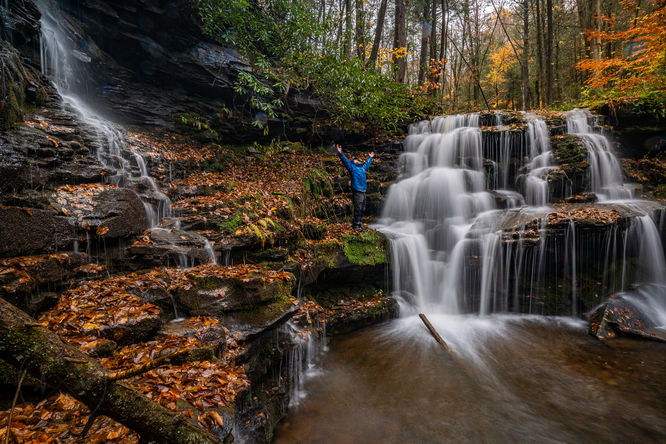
x,y
634,59
380,62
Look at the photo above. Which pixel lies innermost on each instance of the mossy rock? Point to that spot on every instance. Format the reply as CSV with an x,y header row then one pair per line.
x,y
264,313
366,248
214,295
568,148
313,231
329,254
570,152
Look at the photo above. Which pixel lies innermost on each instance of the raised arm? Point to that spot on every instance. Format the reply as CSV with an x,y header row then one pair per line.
x,y
367,163
344,160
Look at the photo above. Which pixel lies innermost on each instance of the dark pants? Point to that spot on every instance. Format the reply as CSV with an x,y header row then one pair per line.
x,y
359,207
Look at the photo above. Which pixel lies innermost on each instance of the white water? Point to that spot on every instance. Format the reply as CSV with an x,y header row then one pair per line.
x,y
541,164
606,175
450,255
64,61
303,358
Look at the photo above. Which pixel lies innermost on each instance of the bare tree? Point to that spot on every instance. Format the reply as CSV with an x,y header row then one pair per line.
x,y
549,52
360,30
400,39
426,27
524,68
381,15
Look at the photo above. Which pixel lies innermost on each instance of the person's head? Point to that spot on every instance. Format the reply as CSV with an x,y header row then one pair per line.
x,y
358,161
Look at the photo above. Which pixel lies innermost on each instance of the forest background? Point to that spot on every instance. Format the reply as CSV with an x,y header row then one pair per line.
x,y
379,63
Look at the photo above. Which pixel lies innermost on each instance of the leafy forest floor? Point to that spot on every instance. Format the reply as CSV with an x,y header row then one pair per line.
x,y
198,337
277,218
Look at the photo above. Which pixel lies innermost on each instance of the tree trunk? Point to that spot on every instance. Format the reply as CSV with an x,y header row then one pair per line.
x,y
433,30
360,30
340,21
443,46
475,45
584,23
425,42
28,345
549,52
539,36
348,30
596,20
378,33
524,69
400,40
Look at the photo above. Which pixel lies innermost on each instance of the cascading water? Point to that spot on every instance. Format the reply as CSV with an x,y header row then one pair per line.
x,y
605,172
451,251
65,61
541,164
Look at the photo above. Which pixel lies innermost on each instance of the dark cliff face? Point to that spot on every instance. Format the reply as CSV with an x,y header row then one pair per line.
x,y
147,62
19,25
151,63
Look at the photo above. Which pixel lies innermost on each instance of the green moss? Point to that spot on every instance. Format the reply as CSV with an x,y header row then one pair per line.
x,y
570,153
318,183
265,313
230,225
328,253
366,248
220,163
568,148
331,296
11,113
314,231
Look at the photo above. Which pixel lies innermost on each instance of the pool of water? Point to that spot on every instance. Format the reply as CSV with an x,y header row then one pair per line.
x,y
513,379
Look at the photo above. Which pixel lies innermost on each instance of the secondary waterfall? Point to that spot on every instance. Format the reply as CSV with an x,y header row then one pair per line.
x,y
464,241
65,60
606,174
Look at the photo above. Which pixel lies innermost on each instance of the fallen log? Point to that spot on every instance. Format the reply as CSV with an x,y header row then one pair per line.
x,y
439,339
33,347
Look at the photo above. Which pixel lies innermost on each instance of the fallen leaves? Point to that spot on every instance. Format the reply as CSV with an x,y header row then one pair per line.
x,y
62,418
115,303
194,388
588,215
101,231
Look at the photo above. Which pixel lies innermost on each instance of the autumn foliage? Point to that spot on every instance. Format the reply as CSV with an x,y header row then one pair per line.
x,y
639,62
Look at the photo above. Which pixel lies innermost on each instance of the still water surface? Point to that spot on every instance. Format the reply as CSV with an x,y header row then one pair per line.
x,y
518,380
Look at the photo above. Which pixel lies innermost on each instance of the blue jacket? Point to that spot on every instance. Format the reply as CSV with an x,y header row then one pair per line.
x,y
358,181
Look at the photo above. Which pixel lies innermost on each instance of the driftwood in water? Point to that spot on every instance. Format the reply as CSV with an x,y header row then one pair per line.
x,y
33,347
439,339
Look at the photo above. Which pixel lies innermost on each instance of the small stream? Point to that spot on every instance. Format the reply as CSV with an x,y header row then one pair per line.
x,y
523,379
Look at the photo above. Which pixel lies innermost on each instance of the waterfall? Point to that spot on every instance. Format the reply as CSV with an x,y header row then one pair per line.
x,y
542,163
456,249
65,61
302,358
605,172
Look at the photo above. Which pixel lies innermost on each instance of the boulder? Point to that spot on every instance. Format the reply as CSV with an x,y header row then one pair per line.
x,y
118,212
159,246
25,231
207,330
218,295
30,282
621,316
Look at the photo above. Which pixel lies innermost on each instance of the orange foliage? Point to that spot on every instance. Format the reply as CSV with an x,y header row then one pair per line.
x,y
642,61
